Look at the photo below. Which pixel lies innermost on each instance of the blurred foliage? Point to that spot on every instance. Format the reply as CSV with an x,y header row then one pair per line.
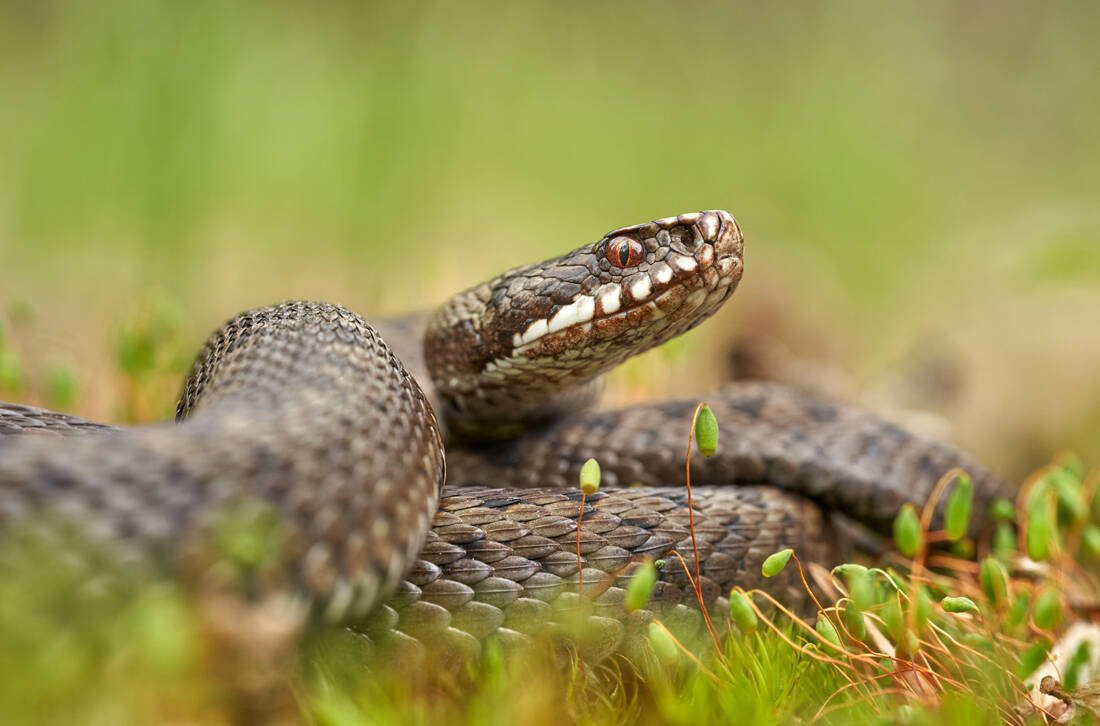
x,y
927,639
157,130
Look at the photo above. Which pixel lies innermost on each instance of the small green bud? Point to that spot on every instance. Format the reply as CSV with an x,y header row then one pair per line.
x,y
853,620
861,588
1048,609
662,643
827,630
590,476
706,431
963,548
742,613
958,605
994,580
1040,526
1004,540
1073,464
775,563
1032,658
640,587
1017,614
1003,510
923,606
849,570
1070,502
1096,507
896,580
957,512
907,533
892,617
1078,662
1090,541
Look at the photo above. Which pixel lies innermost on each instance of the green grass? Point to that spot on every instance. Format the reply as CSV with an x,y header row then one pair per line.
x,y
90,645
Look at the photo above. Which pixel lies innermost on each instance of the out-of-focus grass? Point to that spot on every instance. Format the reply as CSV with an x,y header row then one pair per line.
x,y
80,644
163,130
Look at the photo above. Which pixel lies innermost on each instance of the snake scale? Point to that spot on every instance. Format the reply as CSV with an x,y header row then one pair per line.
x,y
336,427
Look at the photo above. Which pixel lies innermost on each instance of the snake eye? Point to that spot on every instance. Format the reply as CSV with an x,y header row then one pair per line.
x,y
624,252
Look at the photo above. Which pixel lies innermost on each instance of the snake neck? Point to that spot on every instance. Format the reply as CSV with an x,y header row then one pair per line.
x,y
531,344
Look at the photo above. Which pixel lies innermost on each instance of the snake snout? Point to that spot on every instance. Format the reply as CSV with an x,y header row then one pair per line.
x,y
719,228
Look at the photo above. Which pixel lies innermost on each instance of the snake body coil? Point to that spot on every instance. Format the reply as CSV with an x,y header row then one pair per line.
x,y
303,408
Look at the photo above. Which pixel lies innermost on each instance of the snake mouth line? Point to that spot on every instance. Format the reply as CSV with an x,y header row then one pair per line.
x,y
657,307
605,305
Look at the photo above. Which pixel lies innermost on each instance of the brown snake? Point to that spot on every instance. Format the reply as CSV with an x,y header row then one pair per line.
x,y
302,408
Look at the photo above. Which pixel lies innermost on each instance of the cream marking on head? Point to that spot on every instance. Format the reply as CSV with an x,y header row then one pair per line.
x,y
640,289
611,298
686,264
667,221
519,360
662,273
579,311
708,225
612,305
534,331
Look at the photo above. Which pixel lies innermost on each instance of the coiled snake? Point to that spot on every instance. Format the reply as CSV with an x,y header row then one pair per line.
x,y
303,407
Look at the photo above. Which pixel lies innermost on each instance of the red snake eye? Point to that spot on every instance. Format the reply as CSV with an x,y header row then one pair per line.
x,y
624,252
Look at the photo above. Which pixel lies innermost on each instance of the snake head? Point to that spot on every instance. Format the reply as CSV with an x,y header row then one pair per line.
x,y
516,348
635,288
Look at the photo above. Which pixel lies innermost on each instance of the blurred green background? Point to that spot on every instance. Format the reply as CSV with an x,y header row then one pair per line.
x,y
916,181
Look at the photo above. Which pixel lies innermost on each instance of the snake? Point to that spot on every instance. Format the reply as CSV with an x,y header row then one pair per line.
x,y
335,429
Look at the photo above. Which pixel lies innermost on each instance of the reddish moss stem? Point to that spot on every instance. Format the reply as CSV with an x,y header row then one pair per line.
x,y
580,564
